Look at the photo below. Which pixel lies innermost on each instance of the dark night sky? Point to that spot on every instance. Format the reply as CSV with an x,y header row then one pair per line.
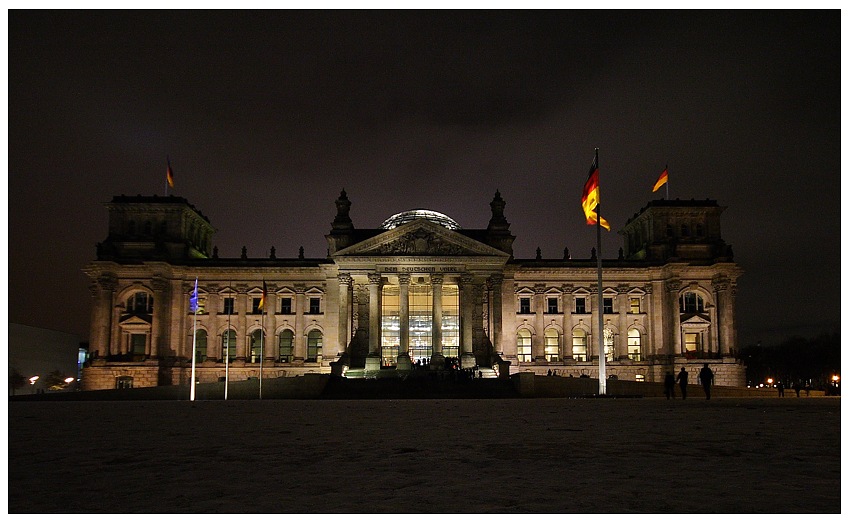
x,y
266,116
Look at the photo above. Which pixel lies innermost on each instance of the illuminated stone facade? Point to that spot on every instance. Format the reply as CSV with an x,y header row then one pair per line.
x,y
408,296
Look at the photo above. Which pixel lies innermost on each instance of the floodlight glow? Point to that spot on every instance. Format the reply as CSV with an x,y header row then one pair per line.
x,y
33,379
69,380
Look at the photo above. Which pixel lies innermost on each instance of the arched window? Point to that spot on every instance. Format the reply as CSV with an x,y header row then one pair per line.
x,y
285,346
228,345
608,341
256,346
140,302
634,344
314,345
523,345
691,302
551,348
579,344
200,346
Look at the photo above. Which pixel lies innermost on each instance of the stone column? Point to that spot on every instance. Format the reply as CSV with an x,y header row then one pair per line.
x,y
467,303
160,316
300,348
538,338
725,292
344,310
116,344
496,334
241,323
101,319
437,359
403,360
593,348
373,360
567,304
674,330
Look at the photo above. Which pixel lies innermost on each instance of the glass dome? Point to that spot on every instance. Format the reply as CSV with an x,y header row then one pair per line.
x,y
411,215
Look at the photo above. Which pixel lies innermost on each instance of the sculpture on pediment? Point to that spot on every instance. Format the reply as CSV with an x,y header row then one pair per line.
x,y
419,242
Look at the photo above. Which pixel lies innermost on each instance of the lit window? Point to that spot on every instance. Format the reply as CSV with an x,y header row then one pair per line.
x,y
552,305
639,377
451,321
285,346
608,341
580,305
692,342
124,382
551,348
608,305
634,344
256,346
579,344
228,345
390,326
525,305
314,345
634,305
523,345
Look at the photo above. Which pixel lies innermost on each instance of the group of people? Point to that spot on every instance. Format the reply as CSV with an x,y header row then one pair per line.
x,y
706,378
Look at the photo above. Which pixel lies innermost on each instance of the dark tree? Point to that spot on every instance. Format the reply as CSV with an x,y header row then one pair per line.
x,y
16,380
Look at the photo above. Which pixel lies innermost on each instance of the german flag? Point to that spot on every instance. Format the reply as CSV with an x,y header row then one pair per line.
x,y
662,179
169,174
263,298
590,196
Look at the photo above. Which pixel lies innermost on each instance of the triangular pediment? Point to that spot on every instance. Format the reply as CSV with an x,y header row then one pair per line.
x,y
420,238
696,320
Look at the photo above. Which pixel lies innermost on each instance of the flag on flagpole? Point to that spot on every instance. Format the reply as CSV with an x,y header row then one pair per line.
x,y
590,197
662,179
263,298
169,174
193,301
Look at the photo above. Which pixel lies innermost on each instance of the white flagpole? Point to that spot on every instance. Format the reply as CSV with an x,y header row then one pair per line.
x,y
194,340
602,380
227,356
262,345
667,184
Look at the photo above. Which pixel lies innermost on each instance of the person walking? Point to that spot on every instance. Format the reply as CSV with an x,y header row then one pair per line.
x,y
669,385
706,377
682,379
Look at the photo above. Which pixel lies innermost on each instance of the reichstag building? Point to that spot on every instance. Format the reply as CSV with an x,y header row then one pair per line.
x,y
418,293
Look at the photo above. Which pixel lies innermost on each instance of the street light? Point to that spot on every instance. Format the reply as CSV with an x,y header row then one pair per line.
x,y
32,382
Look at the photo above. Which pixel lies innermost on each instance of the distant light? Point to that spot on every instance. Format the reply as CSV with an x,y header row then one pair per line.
x,y
835,378
69,380
33,379
770,381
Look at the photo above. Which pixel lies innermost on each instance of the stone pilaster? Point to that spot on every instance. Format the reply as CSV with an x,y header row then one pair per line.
x,y
538,338
467,303
344,311
567,304
496,334
373,360
161,318
300,349
673,332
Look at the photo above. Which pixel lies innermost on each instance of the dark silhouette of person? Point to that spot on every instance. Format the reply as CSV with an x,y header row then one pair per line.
x,y
669,385
706,377
781,388
682,379
797,388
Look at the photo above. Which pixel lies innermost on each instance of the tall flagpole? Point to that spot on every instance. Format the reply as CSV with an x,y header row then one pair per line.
x,y
262,345
227,353
194,305
667,187
602,383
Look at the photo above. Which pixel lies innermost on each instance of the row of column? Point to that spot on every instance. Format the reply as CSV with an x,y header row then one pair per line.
x,y
467,303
